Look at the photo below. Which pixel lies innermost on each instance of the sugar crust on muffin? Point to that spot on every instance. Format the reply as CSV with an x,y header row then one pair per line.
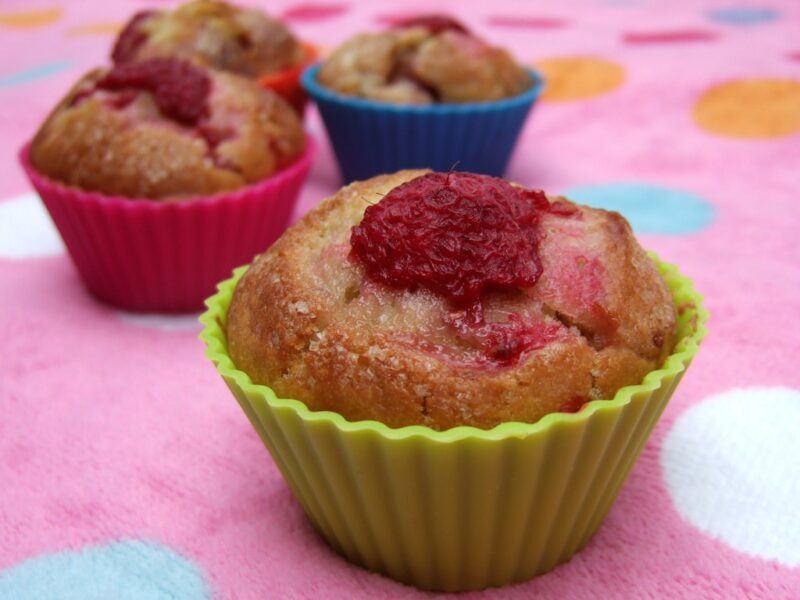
x,y
423,61
216,34
307,320
166,129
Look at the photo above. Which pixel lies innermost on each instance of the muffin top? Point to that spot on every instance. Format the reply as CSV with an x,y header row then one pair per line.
x,y
421,61
447,299
214,33
166,128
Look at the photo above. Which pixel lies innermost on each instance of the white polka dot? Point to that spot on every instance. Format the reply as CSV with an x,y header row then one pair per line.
x,y
163,322
732,466
26,230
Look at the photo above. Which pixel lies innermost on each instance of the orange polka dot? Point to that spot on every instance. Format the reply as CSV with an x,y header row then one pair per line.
x,y
30,19
578,77
94,29
751,108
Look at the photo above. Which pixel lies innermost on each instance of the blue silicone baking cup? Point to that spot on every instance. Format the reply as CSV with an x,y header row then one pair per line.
x,y
370,138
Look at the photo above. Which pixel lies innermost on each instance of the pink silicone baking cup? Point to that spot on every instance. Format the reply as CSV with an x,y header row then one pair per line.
x,y
144,255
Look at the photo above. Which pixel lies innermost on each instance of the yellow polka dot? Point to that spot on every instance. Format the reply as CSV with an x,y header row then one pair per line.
x,y
751,108
578,77
32,18
94,29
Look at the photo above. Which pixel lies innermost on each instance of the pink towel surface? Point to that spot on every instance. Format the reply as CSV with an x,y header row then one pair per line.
x,y
127,470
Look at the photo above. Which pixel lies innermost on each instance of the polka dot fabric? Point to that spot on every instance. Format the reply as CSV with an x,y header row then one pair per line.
x,y
124,463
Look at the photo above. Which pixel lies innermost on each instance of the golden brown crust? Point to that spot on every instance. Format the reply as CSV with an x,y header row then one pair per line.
x,y
221,36
138,152
463,70
305,321
416,66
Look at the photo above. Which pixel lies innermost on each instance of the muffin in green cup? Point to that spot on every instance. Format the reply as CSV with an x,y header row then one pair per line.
x,y
488,501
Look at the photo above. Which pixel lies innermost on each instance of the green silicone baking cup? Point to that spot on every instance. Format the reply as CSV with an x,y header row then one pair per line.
x,y
466,508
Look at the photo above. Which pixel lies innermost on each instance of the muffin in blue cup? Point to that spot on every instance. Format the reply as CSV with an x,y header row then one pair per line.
x,y
425,93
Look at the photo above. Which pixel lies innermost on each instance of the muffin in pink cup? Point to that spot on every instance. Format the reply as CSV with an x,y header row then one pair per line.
x,y
162,175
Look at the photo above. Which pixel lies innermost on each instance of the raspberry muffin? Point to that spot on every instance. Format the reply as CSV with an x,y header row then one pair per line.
x,y
443,97
162,176
448,299
436,300
222,36
216,34
166,128
423,60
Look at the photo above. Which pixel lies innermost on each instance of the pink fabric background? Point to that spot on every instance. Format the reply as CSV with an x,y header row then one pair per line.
x,y
113,429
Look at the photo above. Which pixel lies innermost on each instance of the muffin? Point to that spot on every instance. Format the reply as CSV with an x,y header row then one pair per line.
x,y
165,128
423,60
216,34
447,299
426,93
441,304
163,175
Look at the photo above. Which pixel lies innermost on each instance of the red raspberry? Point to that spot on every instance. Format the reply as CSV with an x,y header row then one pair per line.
x,y
456,234
574,404
179,88
502,342
130,38
433,23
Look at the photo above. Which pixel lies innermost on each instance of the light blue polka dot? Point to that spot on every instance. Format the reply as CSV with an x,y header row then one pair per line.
x,y
743,15
35,73
649,208
127,570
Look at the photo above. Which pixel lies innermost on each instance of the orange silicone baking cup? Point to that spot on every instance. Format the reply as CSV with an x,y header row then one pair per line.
x,y
286,83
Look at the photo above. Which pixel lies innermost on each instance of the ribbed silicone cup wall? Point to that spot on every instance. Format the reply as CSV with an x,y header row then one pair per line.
x,y
146,255
370,138
462,509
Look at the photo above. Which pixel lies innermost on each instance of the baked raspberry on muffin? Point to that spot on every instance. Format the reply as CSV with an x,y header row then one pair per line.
x,y
423,60
166,128
217,34
447,299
